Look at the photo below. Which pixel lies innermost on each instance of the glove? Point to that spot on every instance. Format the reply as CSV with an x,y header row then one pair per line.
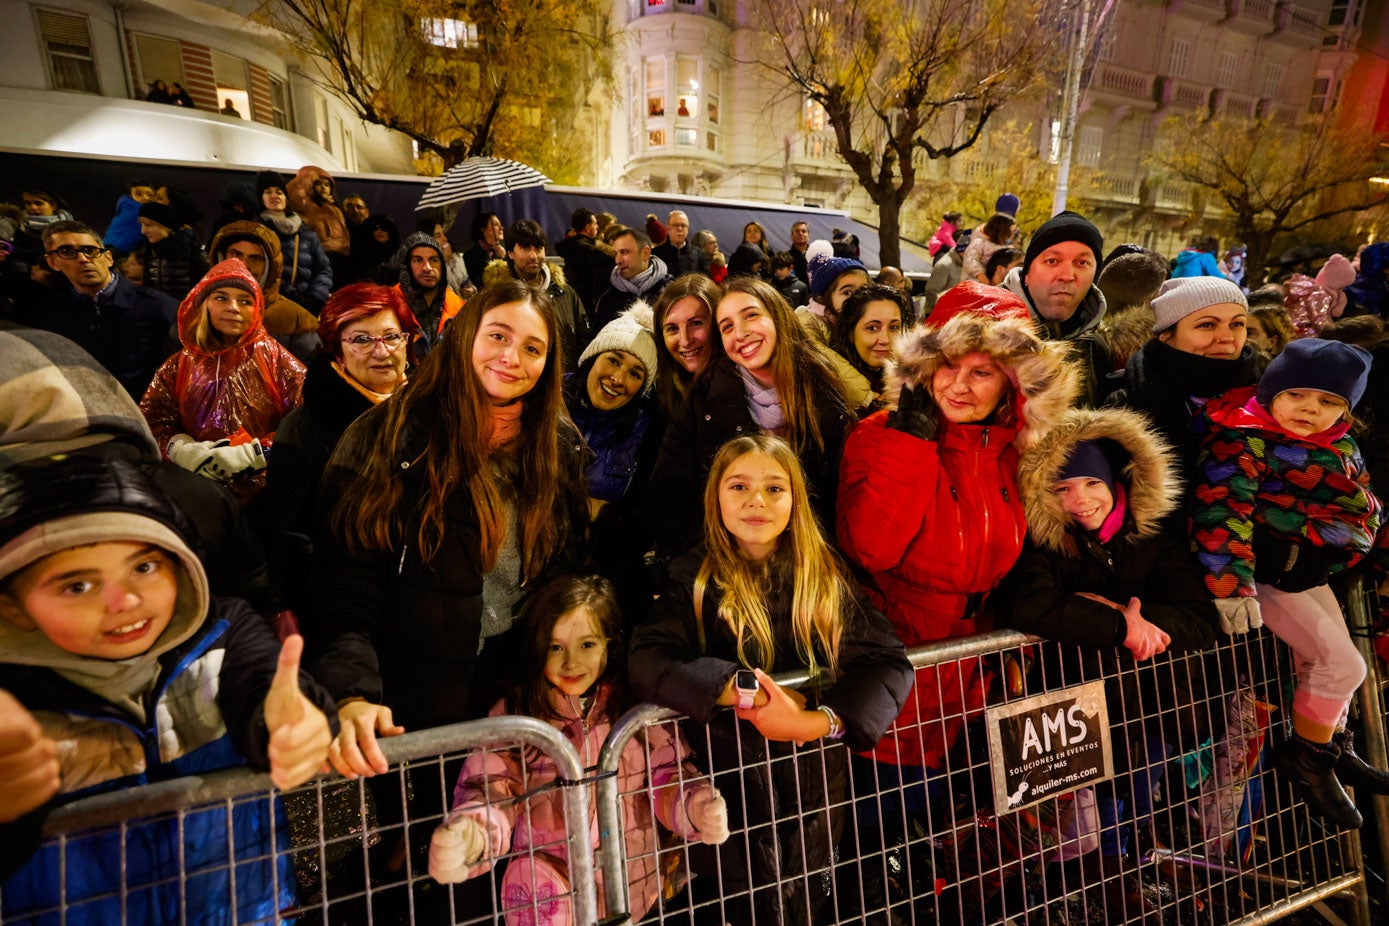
x,y
457,846
193,455
916,413
709,814
230,460
1239,615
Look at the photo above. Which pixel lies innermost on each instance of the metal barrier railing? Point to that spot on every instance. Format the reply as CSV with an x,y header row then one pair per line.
x,y
1184,787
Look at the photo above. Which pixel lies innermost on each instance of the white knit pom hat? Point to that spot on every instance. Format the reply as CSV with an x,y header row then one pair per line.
x,y
630,331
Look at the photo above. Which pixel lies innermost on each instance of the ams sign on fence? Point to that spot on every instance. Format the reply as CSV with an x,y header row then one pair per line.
x,y
1048,744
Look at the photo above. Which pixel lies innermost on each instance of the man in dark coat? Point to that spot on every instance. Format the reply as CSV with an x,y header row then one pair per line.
x,y
585,264
636,275
525,260
679,254
124,326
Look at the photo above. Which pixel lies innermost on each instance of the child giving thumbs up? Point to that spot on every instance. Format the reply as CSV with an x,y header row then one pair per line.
x,y
299,731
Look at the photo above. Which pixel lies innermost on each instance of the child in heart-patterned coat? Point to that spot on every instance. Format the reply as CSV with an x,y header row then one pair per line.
x,y
1283,502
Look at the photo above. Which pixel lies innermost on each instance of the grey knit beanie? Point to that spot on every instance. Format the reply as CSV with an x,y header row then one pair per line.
x,y
1180,297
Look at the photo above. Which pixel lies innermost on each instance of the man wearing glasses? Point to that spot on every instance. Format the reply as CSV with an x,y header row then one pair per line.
x,y
124,326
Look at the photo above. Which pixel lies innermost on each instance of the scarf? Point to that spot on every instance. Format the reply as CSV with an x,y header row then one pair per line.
x,y
764,404
505,424
642,281
375,398
286,223
1115,519
37,223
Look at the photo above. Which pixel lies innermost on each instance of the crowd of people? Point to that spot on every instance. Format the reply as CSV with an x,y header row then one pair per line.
x,y
647,473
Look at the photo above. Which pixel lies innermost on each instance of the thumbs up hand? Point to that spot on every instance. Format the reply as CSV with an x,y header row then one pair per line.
x,y
299,732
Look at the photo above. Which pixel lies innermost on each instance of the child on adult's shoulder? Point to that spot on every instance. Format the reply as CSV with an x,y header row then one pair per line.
x,y
1284,503
573,676
109,637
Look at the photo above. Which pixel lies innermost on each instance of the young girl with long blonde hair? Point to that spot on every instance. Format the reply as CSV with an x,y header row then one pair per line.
x,y
766,593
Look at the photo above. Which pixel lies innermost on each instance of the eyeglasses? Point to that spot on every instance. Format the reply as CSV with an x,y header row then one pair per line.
x,y
70,252
365,343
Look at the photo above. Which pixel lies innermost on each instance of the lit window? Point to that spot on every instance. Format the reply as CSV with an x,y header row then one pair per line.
x,y
279,104
449,33
814,116
655,88
687,137
1054,145
320,112
656,138
711,141
687,84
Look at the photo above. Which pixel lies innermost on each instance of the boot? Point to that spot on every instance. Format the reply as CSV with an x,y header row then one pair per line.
x,y
1311,768
1355,771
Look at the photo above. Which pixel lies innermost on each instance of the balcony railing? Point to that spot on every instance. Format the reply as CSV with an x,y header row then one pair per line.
x,y
1124,82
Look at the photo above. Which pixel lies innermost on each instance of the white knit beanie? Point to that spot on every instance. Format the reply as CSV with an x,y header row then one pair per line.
x,y
630,331
1180,297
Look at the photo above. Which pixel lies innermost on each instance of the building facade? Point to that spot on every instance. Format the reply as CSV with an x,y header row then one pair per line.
x,y
75,74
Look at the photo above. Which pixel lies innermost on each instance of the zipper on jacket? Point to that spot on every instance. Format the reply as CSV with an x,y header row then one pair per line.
x,y
985,440
400,568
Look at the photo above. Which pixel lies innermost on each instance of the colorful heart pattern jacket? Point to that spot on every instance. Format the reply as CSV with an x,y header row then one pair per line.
x,y
1265,493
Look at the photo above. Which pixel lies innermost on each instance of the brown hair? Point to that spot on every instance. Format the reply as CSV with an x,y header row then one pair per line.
x,y
799,368
672,379
996,228
445,401
530,693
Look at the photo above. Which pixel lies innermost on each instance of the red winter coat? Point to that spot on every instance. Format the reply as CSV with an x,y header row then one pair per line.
x,y
937,524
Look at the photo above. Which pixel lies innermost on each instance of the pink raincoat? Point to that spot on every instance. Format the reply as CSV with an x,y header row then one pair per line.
x,y
238,392
651,776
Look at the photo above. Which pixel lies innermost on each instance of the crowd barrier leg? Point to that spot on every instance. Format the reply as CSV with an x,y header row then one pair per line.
x,y
1371,739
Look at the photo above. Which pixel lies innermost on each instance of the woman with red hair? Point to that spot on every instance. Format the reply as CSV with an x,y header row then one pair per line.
x,y
368,335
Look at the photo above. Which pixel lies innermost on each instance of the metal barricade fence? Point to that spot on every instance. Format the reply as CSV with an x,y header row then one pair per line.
x,y
332,851
1192,826
1187,825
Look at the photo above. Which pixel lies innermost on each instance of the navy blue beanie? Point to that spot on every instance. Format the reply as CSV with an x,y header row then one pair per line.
x,y
1088,459
824,272
1310,363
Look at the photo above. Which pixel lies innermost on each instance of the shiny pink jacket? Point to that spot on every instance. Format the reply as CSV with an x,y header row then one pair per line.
x,y
654,780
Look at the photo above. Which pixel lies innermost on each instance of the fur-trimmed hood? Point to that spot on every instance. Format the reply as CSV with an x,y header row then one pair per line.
x,y
1142,460
500,270
1041,375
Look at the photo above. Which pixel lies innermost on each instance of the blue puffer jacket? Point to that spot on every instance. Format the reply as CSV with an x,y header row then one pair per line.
x,y
1194,263
123,233
206,716
306,276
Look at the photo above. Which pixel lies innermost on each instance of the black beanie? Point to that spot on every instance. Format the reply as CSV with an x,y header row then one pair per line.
x,y
268,178
158,212
1064,226
1310,363
1087,458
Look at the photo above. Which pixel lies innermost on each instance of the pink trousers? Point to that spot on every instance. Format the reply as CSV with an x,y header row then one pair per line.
x,y
1329,667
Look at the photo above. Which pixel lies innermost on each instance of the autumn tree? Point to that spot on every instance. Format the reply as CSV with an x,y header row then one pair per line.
x,y
1276,181
905,80
461,77
1006,159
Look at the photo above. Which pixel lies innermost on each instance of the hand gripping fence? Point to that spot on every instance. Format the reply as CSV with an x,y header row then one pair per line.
x,y
1190,825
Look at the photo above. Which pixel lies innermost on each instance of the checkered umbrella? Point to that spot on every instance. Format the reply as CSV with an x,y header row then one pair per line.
x,y
479,177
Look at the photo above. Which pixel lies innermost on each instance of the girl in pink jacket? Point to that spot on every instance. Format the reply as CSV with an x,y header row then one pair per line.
x,y
501,804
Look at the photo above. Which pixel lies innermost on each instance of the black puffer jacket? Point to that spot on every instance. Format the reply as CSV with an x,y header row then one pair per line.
x,y
1042,593
1171,387
714,412
395,630
670,667
283,512
175,264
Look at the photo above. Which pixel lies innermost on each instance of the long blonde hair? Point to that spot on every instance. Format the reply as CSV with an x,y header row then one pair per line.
x,y
819,582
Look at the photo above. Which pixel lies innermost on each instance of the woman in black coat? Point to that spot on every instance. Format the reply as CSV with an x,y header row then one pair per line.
x,y
367,331
769,363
